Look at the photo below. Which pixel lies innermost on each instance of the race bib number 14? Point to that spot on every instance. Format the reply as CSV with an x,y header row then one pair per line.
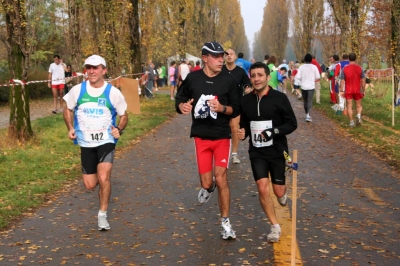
x,y
256,128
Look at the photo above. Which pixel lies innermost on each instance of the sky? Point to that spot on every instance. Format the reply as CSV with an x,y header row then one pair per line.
x,y
252,13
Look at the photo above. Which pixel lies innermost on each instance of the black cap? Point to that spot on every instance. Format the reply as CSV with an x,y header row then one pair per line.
x,y
213,48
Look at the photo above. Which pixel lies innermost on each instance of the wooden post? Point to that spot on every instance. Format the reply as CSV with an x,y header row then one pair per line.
x,y
294,211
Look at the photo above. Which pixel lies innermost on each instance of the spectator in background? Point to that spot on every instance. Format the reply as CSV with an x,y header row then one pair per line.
x,y
183,71
317,82
240,62
252,61
68,79
296,85
277,77
271,63
334,71
323,68
368,81
164,71
266,57
176,75
171,74
345,61
155,84
161,76
57,81
149,81
244,85
197,67
306,77
352,86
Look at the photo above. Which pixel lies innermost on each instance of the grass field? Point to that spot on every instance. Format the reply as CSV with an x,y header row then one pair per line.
x,y
376,133
32,173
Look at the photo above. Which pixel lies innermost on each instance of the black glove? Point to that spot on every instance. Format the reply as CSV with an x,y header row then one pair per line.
x,y
268,134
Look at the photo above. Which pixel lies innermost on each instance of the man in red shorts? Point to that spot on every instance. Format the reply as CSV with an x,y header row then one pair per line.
x,y
353,88
211,96
57,81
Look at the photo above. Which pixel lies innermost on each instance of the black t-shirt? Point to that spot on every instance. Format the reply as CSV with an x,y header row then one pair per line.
x,y
224,87
241,78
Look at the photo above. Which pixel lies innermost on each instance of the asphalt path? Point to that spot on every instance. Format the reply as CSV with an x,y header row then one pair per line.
x,y
348,209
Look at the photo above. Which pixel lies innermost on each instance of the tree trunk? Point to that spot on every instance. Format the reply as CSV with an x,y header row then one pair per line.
x,y
74,11
18,60
135,36
355,27
395,41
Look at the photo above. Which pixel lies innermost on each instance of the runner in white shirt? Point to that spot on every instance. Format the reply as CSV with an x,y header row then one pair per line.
x,y
90,116
57,80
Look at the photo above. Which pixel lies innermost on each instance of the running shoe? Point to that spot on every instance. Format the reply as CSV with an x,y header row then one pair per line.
x,y
274,235
283,200
227,231
308,118
205,195
358,121
235,159
54,111
351,123
102,223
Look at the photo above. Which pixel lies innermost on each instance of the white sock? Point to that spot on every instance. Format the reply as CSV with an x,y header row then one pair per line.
x,y
359,115
234,153
102,213
276,226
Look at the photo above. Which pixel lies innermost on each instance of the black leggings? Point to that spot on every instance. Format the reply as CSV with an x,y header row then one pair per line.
x,y
308,96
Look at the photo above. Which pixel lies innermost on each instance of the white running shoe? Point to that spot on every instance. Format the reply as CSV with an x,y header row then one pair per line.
x,y
205,195
274,235
308,118
283,200
102,223
351,123
235,159
227,231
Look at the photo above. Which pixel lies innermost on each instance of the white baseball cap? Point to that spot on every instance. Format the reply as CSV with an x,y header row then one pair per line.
x,y
95,60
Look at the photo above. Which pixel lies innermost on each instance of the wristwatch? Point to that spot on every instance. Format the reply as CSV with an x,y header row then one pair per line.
x,y
276,131
224,110
120,131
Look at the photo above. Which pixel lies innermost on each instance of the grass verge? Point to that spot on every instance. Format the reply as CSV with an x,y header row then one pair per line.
x,y
31,173
376,133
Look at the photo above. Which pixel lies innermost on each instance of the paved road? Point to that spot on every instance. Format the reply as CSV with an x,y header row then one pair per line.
x,y
348,209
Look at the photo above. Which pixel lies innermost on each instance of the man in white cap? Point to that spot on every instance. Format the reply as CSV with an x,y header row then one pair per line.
x,y
211,96
90,116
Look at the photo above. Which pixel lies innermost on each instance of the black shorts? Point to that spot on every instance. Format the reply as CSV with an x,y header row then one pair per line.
x,y
297,87
91,157
276,167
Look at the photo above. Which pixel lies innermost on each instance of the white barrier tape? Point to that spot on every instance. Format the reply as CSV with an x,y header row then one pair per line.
x,y
18,82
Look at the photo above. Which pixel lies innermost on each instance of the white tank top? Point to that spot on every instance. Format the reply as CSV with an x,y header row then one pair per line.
x,y
184,71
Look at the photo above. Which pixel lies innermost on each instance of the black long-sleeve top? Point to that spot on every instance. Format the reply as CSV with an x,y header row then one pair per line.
x,y
273,106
